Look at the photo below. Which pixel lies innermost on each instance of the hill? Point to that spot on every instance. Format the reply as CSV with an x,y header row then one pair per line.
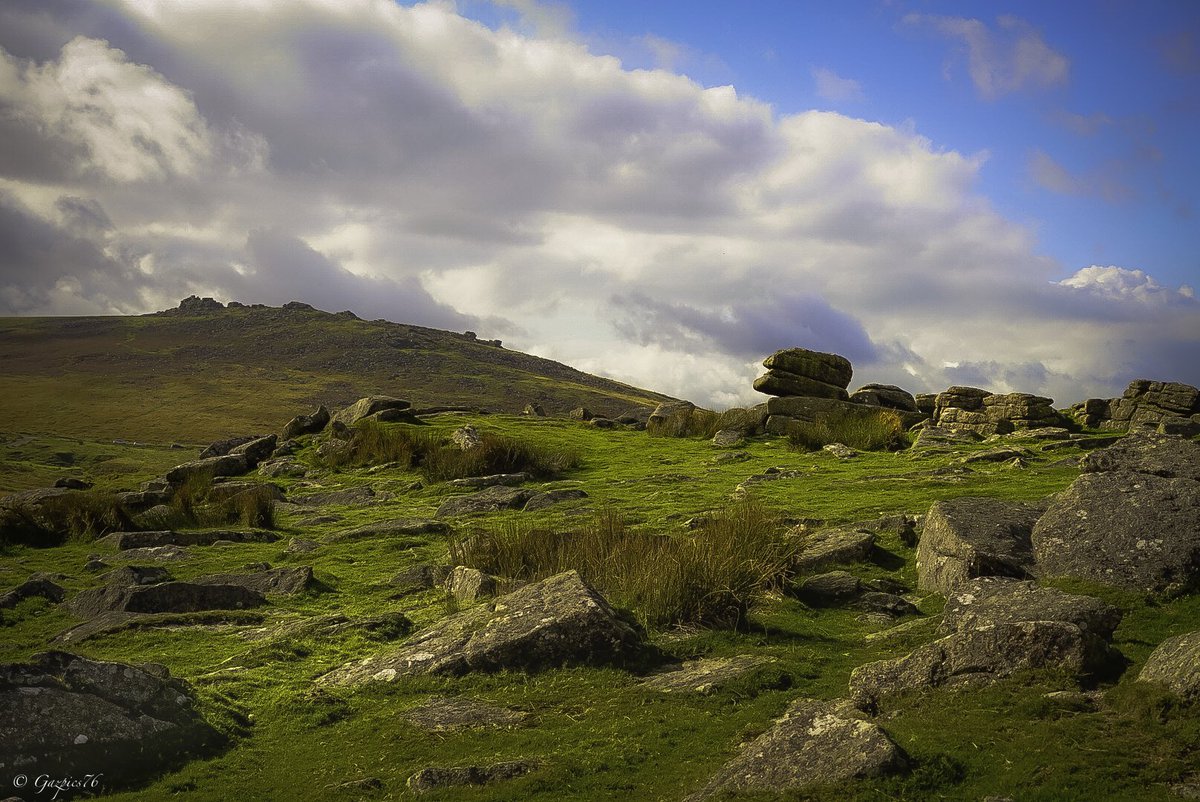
x,y
201,372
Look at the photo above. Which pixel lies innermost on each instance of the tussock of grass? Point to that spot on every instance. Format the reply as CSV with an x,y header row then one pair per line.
x,y
874,430
86,515
703,423
709,577
376,444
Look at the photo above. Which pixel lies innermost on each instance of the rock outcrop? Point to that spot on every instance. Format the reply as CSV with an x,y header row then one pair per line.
x,y
1131,521
366,407
969,537
888,396
1143,402
815,743
557,621
826,547
306,424
985,413
67,716
800,372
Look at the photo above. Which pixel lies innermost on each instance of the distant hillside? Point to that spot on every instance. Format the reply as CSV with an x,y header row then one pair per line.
x,y
196,373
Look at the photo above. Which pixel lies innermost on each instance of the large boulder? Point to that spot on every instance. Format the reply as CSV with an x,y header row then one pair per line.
x,y
34,586
164,597
66,716
834,546
365,407
280,581
816,743
1135,531
557,621
969,537
219,448
1176,664
492,499
256,450
996,627
306,424
778,383
226,465
1152,453
885,395
826,368
34,515
1150,402
985,413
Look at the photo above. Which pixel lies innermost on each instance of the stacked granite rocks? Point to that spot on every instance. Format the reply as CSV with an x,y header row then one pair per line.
x,y
985,413
809,374
1168,404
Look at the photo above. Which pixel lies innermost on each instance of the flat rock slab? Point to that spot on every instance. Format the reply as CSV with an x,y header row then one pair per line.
x,y
346,497
1160,455
1176,664
28,589
123,541
165,597
64,715
969,537
505,479
706,675
815,743
394,527
490,500
548,498
827,547
1135,531
110,622
227,465
168,553
434,778
453,713
557,621
989,601
278,581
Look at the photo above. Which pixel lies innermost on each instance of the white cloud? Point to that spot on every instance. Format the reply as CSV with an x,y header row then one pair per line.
x,y
1008,58
408,163
836,89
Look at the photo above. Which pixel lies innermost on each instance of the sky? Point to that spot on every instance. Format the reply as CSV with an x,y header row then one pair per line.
x,y
999,194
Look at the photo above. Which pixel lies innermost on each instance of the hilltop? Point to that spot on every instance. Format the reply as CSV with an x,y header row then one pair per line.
x,y
203,371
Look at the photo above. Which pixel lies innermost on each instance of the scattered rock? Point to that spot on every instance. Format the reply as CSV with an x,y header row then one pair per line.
x,y
706,675
840,451
136,575
282,468
168,553
728,438
419,578
306,424
434,778
941,436
66,716
280,581
220,448
885,604
470,584
580,413
558,621
165,597
351,496
827,547
816,743
225,491
506,479
72,483
452,713
989,601
34,586
227,465
534,411
1135,531
1176,664
969,537
257,450
548,498
393,528
670,415
123,541
1149,453
829,589
300,546
888,396
489,500
365,407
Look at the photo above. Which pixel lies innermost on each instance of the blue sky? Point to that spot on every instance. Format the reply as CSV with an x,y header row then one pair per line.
x,y
994,194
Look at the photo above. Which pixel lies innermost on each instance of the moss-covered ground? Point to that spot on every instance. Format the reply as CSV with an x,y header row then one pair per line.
x,y
598,733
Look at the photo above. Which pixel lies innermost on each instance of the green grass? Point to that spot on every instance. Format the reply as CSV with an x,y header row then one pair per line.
x,y
878,430
600,735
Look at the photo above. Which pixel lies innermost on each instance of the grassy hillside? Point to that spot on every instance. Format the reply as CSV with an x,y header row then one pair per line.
x,y
599,734
196,377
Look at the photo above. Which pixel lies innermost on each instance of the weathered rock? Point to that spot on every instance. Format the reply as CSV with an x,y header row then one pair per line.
x,y
365,407
1131,530
306,424
301,546
489,500
548,498
466,437
670,416
167,553
34,586
257,450
1176,664
66,716
926,402
827,547
728,438
882,603
829,589
281,468
940,436
195,305
128,575
470,584
165,597
506,479
779,383
433,778
1151,453
451,714
969,537
534,411
220,448
840,450
36,515
227,465
580,413
557,621
73,483
1147,402
357,496
706,675
224,491
280,581
816,743
885,395
827,368
998,626
419,578
393,528
123,541
1180,427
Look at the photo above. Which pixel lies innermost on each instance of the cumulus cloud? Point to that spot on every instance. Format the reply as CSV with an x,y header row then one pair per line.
x,y
1010,57
836,89
406,162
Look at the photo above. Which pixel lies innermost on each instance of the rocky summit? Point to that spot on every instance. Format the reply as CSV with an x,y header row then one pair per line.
x,y
369,581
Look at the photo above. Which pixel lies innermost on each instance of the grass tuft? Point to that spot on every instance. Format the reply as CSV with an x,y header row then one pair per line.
x,y
874,430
